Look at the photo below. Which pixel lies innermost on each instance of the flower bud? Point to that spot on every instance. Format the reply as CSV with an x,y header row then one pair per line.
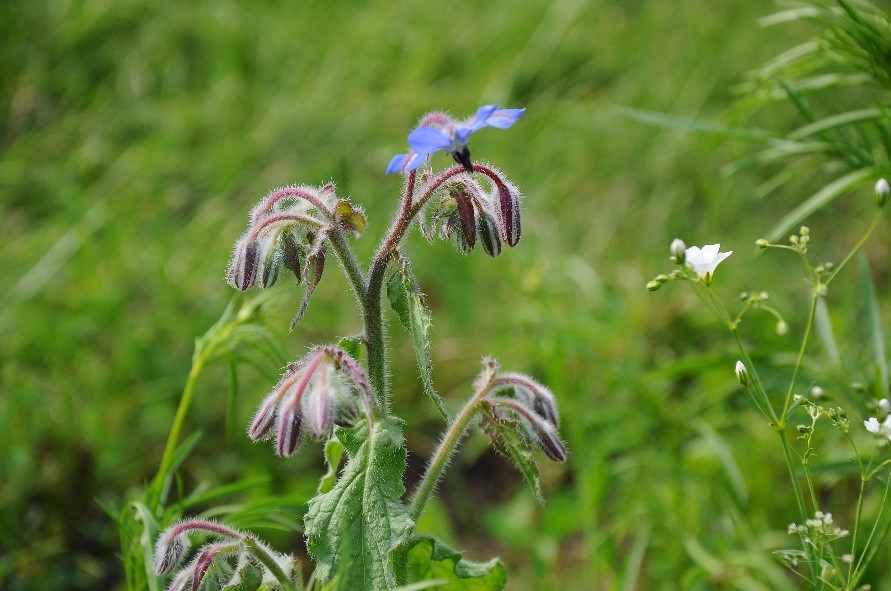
x,y
264,420
242,273
653,285
882,189
289,430
489,235
782,327
678,251
742,374
270,263
550,444
509,210
169,553
762,243
202,563
466,215
291,255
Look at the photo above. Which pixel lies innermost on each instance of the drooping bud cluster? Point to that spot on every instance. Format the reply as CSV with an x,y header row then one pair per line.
x,y
242,550
324,387
289,228
465,211
530,408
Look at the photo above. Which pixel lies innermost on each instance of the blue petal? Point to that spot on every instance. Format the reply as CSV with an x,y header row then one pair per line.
x,y
480,120
397,163
426,140
414,161
504,118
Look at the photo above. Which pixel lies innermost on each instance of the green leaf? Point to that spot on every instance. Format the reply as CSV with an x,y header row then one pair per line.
x,y
508,442
818,200
352,529
352,345
874,326
408,302
661,120
428,558
333,454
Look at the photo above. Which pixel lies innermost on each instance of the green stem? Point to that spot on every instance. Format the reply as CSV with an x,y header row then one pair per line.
x,y
158,484
269,562
759,394
446,448
857,247
350,264
371,304
857,517
807,333
799,499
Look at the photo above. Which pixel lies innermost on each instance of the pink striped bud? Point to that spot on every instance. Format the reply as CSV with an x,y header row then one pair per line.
x,y
508,211
289,431
242,273
264,419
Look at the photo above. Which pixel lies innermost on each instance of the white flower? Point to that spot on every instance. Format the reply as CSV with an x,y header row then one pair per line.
x,y
885,406
705,260
882,187
874,426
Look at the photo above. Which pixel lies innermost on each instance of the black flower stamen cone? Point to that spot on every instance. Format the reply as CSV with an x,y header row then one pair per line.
x,y
462,157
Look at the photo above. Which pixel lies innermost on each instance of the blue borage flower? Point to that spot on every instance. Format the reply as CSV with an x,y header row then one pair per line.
x,y
438,131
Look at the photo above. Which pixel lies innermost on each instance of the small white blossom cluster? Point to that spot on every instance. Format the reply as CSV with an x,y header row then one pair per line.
x,y
881,428
821,525
694,263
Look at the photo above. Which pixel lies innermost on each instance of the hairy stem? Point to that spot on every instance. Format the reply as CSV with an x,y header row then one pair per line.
x,y
269,562
444,451
371,304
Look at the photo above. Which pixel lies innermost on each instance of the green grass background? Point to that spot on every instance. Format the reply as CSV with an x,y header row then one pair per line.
x,y
136,135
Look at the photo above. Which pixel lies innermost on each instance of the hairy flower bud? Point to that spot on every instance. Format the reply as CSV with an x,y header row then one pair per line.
x,y
291,255
550,444
242,273
466,216
509,211
270,263
489,235
290,429
169,553
264,419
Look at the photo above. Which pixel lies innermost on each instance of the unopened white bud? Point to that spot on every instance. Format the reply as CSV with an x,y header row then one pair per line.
x,y
742,373
678,251
882,190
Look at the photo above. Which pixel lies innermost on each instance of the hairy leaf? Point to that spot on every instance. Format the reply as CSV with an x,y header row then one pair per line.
x,y
428,558
352,529
408,302
510,443
333,454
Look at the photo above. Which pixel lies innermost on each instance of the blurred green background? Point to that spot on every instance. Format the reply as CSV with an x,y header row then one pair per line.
x,y
136,135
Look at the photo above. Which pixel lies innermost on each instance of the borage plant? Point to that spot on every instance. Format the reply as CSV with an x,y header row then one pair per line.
x,y
359,530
